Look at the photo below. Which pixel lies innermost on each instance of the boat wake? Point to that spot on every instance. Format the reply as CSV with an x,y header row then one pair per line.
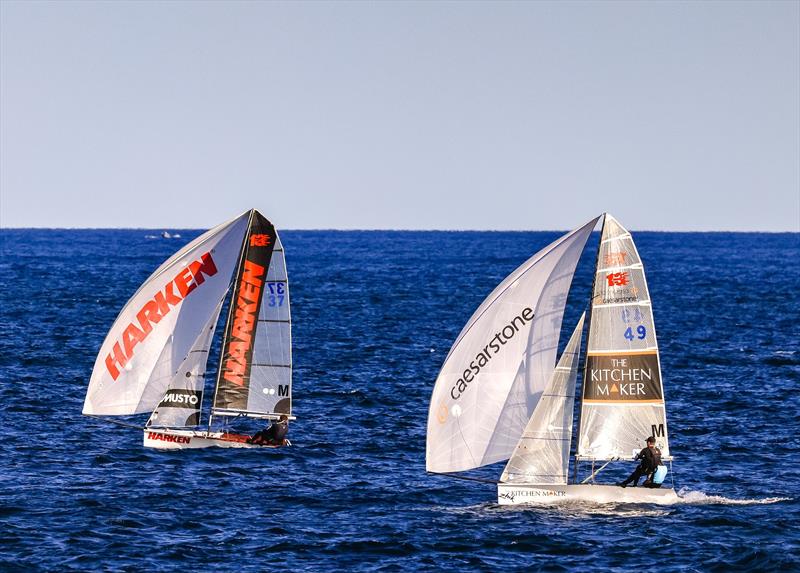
x,y
700,498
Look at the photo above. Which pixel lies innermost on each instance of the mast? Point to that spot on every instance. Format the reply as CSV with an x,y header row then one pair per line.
x,y
588,330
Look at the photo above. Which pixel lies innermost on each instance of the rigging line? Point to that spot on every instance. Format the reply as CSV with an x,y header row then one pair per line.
x,y
467,478
591,477
117,422
671,474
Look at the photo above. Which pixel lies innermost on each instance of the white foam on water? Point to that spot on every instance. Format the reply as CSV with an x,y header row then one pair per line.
x,y
700,498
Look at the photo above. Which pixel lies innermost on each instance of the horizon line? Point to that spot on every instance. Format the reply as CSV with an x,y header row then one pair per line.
x,y
338,230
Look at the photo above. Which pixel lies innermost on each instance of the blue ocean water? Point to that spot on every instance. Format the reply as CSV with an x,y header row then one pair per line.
x,y
374,316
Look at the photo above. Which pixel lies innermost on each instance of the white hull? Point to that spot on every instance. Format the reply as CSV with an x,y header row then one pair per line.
x,y
516,494
170,439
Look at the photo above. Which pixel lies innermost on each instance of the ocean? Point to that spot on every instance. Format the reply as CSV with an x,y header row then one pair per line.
x,y
374,314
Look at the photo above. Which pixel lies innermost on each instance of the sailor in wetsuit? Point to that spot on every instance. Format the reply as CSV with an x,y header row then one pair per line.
x,y
651,459
273,435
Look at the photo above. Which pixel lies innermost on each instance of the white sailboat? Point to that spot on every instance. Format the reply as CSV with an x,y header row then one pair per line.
x,y
501,396
154,357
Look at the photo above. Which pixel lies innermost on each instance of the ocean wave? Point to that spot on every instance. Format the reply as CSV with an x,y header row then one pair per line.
x,y
699,498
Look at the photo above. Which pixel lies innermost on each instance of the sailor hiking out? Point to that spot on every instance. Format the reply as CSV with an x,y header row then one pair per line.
x,y
274,434
650,460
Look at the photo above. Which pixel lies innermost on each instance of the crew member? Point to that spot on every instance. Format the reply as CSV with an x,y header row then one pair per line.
x,y
272,435
650,460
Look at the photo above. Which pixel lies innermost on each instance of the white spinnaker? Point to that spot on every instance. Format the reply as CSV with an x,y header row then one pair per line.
x,y
477,419
623,396
542,454
181,404
180,319
271,371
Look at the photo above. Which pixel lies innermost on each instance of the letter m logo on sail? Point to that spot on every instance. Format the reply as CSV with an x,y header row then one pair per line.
x,y
657,431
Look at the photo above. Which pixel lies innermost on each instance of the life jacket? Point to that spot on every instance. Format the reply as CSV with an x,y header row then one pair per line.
x,y
656,458
651,459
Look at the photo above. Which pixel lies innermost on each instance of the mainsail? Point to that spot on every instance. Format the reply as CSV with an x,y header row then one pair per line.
x,y
255,375
159,326
501,361
542,454
623,397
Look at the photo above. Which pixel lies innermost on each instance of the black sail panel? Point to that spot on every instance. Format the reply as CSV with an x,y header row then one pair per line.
x,y
233,380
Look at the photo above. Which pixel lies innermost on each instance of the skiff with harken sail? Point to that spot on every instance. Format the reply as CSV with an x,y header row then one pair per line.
x,y
501,395
154,357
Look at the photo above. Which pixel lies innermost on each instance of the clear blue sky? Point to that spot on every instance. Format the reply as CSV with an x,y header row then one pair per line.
x,y
412,115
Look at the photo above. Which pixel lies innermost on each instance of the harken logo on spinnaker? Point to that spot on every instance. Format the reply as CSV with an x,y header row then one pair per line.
x,y
154,310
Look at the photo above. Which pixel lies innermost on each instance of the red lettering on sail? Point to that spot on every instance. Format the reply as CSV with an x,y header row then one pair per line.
x,y
167,298
244,322
156,309
130,338
204,266
184,282
115,359
615,259
617,279
259,240
149,314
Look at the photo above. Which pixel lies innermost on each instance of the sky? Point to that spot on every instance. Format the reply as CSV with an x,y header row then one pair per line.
x,y
681,116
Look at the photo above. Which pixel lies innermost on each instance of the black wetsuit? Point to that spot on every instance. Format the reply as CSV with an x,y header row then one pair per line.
x,y
651,459
275,434
278,430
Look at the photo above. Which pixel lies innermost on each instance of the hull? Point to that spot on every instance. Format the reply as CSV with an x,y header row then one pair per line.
x,y
520,493
169,439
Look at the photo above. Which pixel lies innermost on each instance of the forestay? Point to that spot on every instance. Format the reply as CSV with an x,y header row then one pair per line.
x,y
542,454
623,397
255,376
501,361
160,324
